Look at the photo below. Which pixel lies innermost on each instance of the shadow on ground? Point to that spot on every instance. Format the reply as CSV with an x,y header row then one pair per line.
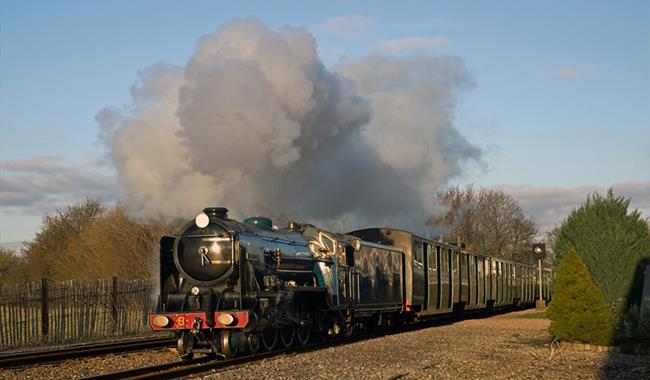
x,y
632,333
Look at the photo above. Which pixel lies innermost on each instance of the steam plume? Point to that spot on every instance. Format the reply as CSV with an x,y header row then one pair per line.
x,y
255,122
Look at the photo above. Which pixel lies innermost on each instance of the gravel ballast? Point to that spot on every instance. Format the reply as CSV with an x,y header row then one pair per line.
x,y
75,368
506,346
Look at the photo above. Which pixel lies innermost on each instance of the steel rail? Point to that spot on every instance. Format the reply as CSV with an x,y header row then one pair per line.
x,y
19,359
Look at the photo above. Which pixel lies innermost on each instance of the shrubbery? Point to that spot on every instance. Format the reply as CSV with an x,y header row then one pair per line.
x,y
614,244
578,311
11,267
87,241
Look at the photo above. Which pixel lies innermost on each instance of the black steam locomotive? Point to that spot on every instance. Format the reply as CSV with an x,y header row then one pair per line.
x,y
228,287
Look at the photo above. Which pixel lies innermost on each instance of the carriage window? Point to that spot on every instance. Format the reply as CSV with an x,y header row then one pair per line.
x,y
444,264
433,259
426,250
463,266
472,266
454,263
418,253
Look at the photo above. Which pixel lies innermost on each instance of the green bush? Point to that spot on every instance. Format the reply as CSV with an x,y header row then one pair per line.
x,y
614,243
578,311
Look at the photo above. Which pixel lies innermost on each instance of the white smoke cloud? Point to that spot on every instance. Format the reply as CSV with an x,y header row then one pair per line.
x,y
255,122
412,125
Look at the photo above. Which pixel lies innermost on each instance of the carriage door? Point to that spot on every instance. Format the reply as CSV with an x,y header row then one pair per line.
x,y
434,276
425,262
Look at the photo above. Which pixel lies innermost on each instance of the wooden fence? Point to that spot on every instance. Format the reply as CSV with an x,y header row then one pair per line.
x,y
46,311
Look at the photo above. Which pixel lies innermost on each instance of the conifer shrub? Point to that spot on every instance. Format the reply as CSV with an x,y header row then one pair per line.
x,y
578,311
614,243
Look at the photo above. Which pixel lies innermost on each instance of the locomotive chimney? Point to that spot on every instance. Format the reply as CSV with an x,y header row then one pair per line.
x,y
217,212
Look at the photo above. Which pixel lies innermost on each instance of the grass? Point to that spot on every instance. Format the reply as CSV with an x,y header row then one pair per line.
x,y
539,315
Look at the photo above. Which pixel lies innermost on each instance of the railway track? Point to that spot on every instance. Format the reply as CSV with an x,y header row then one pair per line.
x,y
181,369
185,368
20,359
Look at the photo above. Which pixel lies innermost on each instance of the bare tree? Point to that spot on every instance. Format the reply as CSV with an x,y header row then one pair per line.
x,y
88,241
487,221
48,255
122,246
549,239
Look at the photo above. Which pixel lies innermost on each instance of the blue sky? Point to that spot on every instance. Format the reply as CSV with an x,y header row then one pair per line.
x,y
562,96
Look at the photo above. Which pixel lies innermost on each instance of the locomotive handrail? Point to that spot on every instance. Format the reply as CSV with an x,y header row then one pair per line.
x,y
205,235
280,240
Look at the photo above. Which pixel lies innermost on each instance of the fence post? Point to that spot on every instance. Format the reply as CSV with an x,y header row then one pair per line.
x,y
114,304
45,320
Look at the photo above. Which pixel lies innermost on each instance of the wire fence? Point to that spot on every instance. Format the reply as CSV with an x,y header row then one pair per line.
x,y
61,312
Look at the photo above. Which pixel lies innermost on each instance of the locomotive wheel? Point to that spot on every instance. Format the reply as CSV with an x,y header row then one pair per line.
x,y
229,343
185,344
303,333
253,343
286,336
269,338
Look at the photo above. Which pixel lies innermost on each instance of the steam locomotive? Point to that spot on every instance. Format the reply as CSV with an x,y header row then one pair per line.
x,y
228,287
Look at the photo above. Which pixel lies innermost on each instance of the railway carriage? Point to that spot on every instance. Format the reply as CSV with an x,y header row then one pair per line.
x,y
443,278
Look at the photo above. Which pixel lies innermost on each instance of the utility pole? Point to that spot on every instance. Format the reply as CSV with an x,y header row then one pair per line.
x,y
539,251
539,272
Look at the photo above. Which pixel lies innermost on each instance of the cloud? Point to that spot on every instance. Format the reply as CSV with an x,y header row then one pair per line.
x,y
549,206
577,71
255,122
413,43
44,183
349,27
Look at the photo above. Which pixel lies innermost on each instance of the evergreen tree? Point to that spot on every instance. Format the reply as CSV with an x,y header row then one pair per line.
x,y
613,244
577,311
